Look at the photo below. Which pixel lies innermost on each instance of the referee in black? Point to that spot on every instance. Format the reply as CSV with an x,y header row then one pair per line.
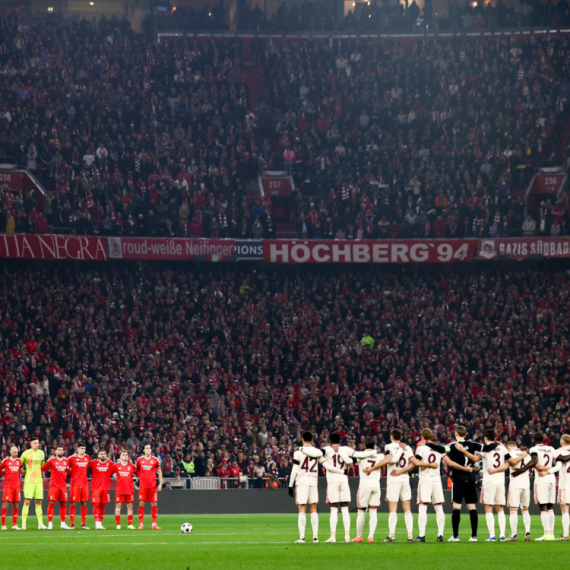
x,y
464,487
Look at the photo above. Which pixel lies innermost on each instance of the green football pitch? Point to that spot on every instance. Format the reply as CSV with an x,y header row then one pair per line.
x,y
224,542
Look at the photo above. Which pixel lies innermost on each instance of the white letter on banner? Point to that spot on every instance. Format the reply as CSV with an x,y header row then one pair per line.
x,y
342,251
300,248
361,253
325,257
419,252
276,251
400,252
380,253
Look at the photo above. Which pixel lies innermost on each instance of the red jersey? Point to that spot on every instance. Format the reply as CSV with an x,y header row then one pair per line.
x,y
101,472
58,472
147,469
125,485
10,470
78,469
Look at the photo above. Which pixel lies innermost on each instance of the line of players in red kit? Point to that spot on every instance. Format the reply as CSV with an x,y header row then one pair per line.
x,y
102,469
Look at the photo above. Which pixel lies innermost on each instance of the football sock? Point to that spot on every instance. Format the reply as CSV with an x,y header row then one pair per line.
x,y
565,523
474,522
141,515
502,523
101,512
440,517
95,512
39,514
25,510
62,511
345,520
490,523
360,520
129,519
83,515
455,518
526,521
51,509
545,520
514,520
409,520
72,515
4,514
15,513
334,520
422,520
551,520
392,521
118,520
154,514
302,524
373,521
315,524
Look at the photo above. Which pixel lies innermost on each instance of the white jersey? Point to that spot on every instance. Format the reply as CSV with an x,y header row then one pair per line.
x,y
372,479
545,456
523,480
493,460
564,473
333,458
424,453
400,459
308,469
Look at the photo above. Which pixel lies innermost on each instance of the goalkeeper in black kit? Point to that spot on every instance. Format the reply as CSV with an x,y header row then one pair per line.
x,y
464,486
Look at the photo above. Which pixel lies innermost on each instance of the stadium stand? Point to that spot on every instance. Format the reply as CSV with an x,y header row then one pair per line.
x,y
418,137
223,367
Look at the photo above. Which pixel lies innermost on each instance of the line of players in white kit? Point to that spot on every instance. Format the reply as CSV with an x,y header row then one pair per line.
x,y
400,460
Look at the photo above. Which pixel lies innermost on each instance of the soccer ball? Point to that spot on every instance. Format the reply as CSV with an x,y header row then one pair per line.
x,y
186,528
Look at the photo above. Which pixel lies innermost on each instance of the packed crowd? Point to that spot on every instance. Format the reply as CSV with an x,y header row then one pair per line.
x,y
391,138
221,369
373,17
414,139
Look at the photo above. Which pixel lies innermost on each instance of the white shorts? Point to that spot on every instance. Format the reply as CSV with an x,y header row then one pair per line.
x,y
368,497
493,494
564,496
305,495
338,492
518,498
544,493
430,491
398,490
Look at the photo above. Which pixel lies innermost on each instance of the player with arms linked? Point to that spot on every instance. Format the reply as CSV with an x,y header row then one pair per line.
x,y
460,455
303,484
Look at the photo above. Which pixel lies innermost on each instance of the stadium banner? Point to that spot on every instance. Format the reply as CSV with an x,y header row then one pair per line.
x,y
249,249
171,249
52,247
523,248
385,251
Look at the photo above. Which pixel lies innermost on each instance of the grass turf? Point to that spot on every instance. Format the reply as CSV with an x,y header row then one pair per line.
x,y
228,542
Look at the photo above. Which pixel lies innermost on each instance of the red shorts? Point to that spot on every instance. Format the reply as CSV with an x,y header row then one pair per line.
x,y
100,496
148,495
57,495
124,498
79,494
11,495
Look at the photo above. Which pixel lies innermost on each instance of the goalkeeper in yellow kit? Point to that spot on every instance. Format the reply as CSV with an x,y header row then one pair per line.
x,y
33,459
